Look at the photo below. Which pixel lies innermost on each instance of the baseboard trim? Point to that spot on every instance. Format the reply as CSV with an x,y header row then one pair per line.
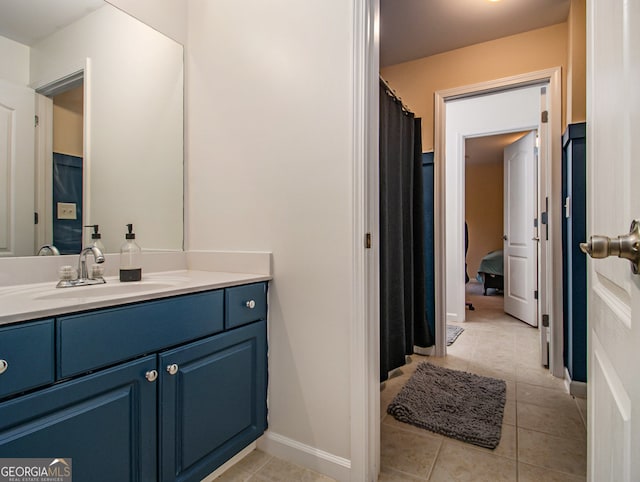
x,y
454,317
424,350
575,388
312,458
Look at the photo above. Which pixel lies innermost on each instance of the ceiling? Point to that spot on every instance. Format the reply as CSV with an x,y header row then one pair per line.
x,y
411,29
27,21
488,149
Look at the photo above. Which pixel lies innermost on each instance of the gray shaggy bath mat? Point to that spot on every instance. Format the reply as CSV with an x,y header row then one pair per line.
x,y
457,404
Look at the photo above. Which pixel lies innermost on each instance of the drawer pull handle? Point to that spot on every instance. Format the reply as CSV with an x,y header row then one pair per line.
x,y
251,304
151,375
3,366
172,369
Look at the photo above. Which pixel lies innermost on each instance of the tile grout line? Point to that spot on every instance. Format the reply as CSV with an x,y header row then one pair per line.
x,y
392,469
435,460
262,466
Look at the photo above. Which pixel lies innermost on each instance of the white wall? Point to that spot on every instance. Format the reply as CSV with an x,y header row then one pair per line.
x,y
134,135
509,111
15,61
166,16
269,168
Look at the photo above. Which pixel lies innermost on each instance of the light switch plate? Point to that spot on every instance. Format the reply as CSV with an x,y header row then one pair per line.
x,y
67,211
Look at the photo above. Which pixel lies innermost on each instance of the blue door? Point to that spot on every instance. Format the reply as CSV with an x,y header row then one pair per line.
x,y
67,188
429,253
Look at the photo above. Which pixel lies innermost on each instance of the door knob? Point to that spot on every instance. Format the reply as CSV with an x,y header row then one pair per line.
x,y
626,246
172,369
504,236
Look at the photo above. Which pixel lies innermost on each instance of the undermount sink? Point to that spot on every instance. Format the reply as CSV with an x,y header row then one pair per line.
x,y
112,288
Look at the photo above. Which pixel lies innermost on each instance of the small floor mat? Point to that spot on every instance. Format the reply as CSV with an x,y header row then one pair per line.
x,y
453,332
453,403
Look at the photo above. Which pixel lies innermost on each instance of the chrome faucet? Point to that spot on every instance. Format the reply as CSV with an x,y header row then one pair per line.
x,y
82,261
68,274
48,250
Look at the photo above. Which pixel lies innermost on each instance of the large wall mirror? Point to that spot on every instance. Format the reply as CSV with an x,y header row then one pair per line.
x,y
91,128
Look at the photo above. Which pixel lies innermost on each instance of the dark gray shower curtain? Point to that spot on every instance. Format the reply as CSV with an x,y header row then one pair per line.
x,y
403,322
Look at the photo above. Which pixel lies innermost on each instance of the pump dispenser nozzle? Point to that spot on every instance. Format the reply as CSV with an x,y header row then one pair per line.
x,y
130,234
96,236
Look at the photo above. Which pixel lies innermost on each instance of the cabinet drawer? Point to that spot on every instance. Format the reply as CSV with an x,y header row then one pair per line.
x,y
245,304
27,352
92,340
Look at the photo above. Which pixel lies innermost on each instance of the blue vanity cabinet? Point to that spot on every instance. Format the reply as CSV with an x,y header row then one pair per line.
x,y
212,401
166,389
105,422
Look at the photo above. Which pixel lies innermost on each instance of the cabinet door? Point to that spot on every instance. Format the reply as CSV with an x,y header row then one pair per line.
x,y
213,401
105,423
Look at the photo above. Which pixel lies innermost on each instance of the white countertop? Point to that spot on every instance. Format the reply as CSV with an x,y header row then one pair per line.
x,y
41,300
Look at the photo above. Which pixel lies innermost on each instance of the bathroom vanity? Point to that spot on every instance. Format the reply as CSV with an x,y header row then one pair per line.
x,y
166,383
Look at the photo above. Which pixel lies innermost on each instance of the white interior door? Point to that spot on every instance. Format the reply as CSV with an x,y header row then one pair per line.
x,y
16,169
613,200
44,170
520,263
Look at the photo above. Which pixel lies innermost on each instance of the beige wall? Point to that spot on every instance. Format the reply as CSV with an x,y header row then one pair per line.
x,y
15,61
249,189
68,122
577,62
484,210
416,81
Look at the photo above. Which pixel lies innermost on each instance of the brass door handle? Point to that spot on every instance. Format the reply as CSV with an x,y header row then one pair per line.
x,y
626,246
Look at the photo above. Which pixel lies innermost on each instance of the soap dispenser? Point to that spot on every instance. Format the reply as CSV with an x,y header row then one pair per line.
x,y
130,257
96,237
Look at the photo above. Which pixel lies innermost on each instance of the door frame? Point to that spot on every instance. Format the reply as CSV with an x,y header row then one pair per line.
x,y
475,117
364,463
550,186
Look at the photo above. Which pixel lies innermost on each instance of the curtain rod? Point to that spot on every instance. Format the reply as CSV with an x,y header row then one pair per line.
x,y
392,93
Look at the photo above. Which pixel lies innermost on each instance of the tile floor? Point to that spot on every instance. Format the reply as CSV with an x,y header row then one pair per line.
x,y
543,431
258,466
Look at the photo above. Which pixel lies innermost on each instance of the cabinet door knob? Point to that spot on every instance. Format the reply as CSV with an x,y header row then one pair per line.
x,y
172,369
3,366
251,304
151,375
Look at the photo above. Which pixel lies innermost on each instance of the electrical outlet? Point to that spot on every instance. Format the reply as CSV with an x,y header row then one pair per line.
x,y
67,211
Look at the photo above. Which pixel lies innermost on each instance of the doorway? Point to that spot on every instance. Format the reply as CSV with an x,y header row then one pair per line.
x,y
500,196
60,164
452,125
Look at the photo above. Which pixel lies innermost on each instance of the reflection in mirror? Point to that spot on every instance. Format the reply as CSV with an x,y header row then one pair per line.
x,y
107,93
